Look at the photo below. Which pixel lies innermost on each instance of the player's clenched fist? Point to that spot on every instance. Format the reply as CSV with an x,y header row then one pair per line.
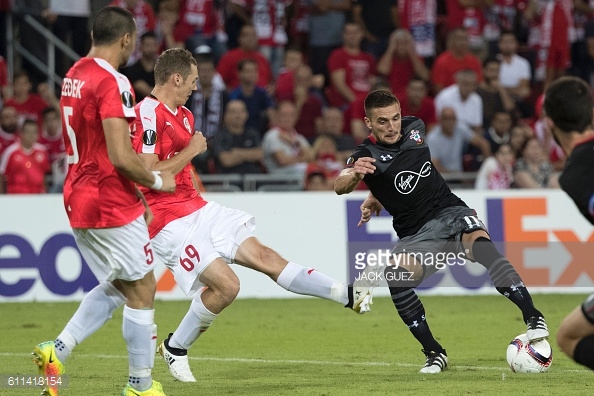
x,y
198,143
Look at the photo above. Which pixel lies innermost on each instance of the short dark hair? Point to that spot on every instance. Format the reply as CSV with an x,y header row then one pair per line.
x,y
204,58
244,62
149,34
491,59
379,99
48,110
171,61
110,24
568,102
29,121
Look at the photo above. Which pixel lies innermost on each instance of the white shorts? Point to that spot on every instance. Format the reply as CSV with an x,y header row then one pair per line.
x,y
117,253
188,245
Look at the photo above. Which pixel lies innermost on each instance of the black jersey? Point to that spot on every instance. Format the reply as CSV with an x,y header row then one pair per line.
x,y
405,181
577,178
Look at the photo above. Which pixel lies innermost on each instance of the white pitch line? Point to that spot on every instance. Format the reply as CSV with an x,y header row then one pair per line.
x,y
293,361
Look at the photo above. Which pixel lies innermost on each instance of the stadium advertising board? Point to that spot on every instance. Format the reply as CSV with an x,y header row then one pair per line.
x,y
541,233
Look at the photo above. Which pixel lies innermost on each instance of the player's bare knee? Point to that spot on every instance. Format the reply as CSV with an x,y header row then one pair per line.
x,y
227,290
565,342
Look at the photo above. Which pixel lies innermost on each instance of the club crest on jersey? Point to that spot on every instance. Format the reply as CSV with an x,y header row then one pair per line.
x,y
149,137
406,181
187,124
416,136
127,99
386,157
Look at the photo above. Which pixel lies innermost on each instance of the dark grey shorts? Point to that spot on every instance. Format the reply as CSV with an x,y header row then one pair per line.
x,y
588,308
438,243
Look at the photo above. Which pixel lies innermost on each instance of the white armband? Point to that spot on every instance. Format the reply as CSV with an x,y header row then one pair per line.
x,y
158,181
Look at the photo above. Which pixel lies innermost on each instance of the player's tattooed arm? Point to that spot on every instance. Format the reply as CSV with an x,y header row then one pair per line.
x,y
349,178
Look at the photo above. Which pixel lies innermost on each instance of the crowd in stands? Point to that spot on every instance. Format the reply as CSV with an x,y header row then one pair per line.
x,y
282,83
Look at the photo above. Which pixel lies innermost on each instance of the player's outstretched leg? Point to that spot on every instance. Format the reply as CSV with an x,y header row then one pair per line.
x,y
300,280
509,283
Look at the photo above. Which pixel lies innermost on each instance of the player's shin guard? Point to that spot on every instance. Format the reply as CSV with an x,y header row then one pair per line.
x,y
412,312
94,310
300,280
197,320
139,331
584,352
504,277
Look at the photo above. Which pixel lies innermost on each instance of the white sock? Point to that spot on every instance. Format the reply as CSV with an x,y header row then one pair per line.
x,y
139,331
298,279
94,310
197,321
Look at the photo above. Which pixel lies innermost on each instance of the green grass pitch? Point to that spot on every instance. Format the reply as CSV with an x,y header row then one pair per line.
x,y
309,346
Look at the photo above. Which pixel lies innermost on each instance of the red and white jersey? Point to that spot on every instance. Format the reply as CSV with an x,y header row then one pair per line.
x,y
144,15
95,194
196,16
6,139
268,17
24,169
164,132
55,146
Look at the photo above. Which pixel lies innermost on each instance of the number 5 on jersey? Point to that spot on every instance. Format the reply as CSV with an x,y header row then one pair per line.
x,y
68,112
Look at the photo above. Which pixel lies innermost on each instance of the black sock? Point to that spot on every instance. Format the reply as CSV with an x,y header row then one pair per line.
x,y
412,312
504,276
584,352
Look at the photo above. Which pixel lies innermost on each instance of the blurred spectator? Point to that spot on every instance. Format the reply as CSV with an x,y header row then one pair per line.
x,y
286,78
298,25
268,17
201,23
23,164
355,114
209,100
316,179
456,58
378,19
514,72
167,17
285,150
237,149
468,15
141,74
496,173
325,153
495,97
351,70
5,86
416,103
51,138
401,62
259,104
447,140
332,123
308,103
419,17
5,8
543,134
71,25
248,49
27,104
532,169
500,130
9,127
518,135
550,36
463,98
326,23
145,21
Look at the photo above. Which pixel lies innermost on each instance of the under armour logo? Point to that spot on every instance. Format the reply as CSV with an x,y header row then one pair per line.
x,y
386,157
406,181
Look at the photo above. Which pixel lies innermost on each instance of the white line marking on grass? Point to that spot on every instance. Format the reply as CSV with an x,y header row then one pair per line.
x,y
293,361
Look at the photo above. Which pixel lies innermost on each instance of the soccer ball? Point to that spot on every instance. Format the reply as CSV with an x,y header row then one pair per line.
x,y
524,356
